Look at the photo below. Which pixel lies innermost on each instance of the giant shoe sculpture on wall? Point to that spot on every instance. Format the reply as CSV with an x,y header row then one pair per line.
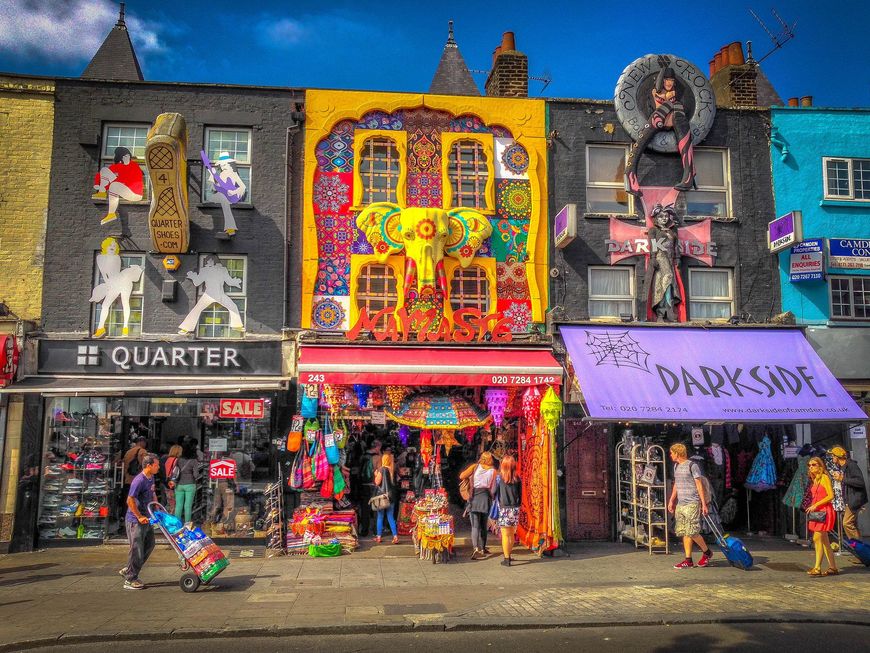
x,y
426,235
166,159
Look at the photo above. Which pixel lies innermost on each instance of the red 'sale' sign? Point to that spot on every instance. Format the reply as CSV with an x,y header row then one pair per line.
x,y
248,408
222,469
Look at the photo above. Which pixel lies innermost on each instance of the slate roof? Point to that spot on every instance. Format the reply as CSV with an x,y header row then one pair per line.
x,y
452,76
116,58
767,95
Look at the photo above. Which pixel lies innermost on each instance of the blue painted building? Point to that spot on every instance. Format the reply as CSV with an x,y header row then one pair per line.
x,y
821,167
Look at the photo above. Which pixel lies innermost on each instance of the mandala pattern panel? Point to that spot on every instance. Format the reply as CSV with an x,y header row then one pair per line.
x,y
469,124
332,192
335,152
335,236
360,244
509,239
424,190
424,153
511,281
332,277
429,121
381,120
513,199
511,159
501,132
518,312
331,313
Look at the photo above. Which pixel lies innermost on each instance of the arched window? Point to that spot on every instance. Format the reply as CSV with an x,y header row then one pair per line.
x,y
469,288
468,174
376,288
379,170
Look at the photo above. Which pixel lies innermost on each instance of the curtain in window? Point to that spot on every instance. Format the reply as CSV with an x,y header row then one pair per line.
x,y
612,284
709,284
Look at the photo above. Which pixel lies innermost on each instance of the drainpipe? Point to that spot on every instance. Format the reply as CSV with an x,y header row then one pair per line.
x,y
297,117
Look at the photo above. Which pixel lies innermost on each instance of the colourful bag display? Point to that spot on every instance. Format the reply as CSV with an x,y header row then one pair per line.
x,y
312,431
338,483
309,404
340,436
296,479
320,465
331,550
307,475
326,486
330,448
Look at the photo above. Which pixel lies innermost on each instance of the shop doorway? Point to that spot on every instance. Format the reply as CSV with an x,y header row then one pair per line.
x,y
587,480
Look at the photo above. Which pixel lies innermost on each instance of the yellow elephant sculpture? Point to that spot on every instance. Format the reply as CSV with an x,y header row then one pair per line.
x,y
426,235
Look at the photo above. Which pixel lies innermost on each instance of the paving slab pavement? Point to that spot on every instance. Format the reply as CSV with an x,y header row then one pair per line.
x,y
60,594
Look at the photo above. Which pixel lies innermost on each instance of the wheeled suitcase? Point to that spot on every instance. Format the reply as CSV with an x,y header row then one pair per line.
x,y
857,548
733,549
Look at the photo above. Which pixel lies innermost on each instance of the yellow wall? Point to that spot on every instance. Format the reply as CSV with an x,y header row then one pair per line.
x,y
26,129
526,120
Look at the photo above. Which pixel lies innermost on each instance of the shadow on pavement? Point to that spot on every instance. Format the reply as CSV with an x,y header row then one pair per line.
x,y
27,580
15,570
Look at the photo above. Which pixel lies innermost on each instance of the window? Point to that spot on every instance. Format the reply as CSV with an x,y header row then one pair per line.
x,y
850,298
468,174
376,288
847,179
605,180
115,321
469,288
131,137
710,294
216,320
611,291
713,181
379,170
236,143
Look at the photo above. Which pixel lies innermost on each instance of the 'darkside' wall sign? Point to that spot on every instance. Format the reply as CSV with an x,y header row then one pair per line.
x,y
166,159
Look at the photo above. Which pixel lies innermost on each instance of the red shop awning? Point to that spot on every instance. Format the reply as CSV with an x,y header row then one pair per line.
x,y
346,365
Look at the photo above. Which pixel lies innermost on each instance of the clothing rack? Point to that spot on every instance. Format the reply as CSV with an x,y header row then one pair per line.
x,y
274,496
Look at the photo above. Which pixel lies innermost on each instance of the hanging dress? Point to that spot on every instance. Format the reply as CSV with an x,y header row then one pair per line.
x,y
831,467
794,495
762,475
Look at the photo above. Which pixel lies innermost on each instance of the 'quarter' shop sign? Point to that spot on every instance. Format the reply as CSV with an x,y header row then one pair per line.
x,y
247,408
222,469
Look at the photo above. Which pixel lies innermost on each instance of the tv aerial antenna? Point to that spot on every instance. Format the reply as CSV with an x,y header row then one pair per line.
x,y
545,79
779,39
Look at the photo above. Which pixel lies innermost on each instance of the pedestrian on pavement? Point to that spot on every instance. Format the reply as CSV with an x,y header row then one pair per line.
x,y
687,502
854,490
140,534
189,471
167,465
821,494
509,497
385,482
368,463
482,475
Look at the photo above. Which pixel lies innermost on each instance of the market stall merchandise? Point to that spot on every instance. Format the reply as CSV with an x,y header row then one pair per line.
x,y
434,533
317,524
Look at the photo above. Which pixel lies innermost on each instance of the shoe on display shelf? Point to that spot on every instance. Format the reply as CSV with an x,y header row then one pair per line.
x,y
68,532
68,508
48,533
51,502
52,487
48,520
53,470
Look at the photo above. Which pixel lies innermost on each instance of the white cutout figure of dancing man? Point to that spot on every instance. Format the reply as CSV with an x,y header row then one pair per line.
x,y
228,188
214,275
115,283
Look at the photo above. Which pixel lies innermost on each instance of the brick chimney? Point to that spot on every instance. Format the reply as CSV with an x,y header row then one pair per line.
x,y
734,79
509,76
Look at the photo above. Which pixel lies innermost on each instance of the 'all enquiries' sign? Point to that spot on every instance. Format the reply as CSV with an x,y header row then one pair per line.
x,y
245,408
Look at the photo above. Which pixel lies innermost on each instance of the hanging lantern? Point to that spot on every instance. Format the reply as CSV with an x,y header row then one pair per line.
x,y
376,397
404,434
551,409
426,447
362,394
395,395
333,396
469,432
448,439
513,395
496,402
532,404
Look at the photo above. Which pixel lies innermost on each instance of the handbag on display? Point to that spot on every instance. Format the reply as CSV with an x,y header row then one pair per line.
x,y
338,482
329,443
312,431
294,437
307,475
326,487
309,404
818,516
320,465
295,480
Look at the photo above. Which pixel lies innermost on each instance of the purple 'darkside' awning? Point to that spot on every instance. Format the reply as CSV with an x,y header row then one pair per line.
x,y
688,374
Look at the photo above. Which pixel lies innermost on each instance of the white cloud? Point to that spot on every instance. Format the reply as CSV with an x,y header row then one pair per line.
x,y
285,30
68,29
309,28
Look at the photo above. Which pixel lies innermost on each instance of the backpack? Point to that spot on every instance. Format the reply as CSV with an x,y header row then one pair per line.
x,y
134,467
367,473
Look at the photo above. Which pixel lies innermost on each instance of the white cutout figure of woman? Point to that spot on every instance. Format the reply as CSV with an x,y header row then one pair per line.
x,y
121,180
115,283
229,188
214,275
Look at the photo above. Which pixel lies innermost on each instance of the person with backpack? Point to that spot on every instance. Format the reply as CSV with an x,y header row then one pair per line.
x,y
133,461
687,502
854,490
186,475
482,475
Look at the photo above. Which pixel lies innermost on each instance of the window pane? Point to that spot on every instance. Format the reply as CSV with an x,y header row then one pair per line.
x,y
607,200
606,164
379,169
705,202
840,305
605,308
709,168
215,321
244,174
861,178
468,173
709,310
709,283
236,142
838,178
469,288
133,138
612,283
376,289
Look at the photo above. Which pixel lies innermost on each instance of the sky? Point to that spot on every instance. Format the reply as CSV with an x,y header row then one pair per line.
x,y
581,46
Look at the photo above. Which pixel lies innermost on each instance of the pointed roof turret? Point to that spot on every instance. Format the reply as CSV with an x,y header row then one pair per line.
x,y
452,76
116,58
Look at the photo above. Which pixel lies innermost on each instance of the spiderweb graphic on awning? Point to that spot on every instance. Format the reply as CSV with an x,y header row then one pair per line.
x,y
618,349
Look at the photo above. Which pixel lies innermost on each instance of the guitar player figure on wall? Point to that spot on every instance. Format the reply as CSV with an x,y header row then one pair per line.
x,y
228,187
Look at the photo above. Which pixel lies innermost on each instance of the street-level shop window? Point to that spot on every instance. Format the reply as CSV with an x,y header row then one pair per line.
x,y
118,138
713,181
711,294
235,142
468,173
216,320
115,322
379,170
847,179
850,298
605,180
611,291
469,288
376,288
